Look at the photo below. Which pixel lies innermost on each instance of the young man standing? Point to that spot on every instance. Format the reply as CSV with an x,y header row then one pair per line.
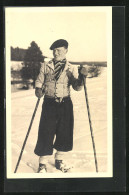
x,y
56,77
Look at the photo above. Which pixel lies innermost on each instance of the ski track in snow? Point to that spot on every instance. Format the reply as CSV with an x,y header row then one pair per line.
x,y
82,158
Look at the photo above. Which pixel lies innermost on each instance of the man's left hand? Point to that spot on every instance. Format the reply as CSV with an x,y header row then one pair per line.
x,y
83,71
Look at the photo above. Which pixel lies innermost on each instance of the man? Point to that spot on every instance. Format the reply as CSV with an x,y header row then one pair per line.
x,y
54,81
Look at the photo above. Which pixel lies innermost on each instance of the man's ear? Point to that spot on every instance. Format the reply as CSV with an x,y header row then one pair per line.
x,y
66,50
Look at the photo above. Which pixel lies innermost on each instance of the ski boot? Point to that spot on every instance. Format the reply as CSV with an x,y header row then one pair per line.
x,y
42,168
60,165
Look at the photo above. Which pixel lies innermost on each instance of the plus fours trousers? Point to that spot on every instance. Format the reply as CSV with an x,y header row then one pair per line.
x,y
55,127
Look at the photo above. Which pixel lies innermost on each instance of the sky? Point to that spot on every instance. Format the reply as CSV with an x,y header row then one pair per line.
x,y
85,29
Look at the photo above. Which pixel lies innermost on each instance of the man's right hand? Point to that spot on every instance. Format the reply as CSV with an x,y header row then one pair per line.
x,y
38,92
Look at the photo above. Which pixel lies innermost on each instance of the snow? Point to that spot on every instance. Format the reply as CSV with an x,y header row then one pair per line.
x,y
81,157
16,65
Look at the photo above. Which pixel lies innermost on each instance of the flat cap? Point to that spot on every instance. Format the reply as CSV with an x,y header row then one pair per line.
x,y
59,43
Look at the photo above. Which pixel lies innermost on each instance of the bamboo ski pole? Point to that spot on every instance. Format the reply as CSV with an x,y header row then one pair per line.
x,y
90,123
27,135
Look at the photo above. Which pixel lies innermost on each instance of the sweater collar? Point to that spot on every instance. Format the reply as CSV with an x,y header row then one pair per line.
x,y
50,64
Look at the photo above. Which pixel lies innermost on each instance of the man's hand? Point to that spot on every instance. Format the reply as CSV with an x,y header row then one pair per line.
x,y
83,71
38,92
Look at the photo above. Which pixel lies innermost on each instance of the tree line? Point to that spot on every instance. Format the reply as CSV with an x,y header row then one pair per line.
x,y
32,58
17,54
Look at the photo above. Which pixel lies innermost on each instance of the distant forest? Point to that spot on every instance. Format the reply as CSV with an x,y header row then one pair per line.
x,y
17,54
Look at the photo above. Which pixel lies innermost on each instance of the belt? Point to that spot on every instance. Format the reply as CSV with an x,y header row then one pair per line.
x,y
57,99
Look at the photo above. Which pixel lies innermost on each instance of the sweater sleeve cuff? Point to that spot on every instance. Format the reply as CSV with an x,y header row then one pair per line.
x,y
38,85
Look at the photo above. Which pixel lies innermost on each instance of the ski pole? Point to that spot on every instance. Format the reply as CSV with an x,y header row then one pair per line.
x,y
27,135
90,123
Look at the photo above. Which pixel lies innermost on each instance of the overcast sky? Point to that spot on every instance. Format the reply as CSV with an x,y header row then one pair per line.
x,y
84,28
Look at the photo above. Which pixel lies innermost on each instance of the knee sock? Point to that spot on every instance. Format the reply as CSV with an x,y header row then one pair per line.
x,y
60,155
43,159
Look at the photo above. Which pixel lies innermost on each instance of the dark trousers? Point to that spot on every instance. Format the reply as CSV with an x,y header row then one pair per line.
x,y
56,119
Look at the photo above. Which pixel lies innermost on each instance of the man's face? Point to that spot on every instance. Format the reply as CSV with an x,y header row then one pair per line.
x,y
59,53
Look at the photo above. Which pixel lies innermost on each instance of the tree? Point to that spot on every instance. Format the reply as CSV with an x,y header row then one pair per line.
x,y
17,54
32,63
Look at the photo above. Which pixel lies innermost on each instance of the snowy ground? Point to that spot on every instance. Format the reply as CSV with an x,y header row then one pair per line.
x,y
82,158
